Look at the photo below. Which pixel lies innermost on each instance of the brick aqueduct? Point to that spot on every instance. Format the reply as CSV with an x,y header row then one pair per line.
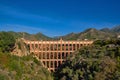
x,y
54,53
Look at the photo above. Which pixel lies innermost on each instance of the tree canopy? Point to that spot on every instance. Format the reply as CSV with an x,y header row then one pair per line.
x,y
94,62
7,42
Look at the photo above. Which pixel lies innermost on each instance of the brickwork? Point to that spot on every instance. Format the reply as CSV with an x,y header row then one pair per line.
x,y
53,53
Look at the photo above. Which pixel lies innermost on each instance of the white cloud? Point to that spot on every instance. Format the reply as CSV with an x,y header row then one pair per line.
x,y
26,15
21,28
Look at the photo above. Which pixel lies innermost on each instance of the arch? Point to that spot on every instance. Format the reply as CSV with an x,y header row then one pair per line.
x,y
58,55
51,64
48,64
47,55
53,53
63,55
55,64
58,63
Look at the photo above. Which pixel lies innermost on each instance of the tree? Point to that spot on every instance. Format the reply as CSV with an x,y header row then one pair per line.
x,y
7,42
99,61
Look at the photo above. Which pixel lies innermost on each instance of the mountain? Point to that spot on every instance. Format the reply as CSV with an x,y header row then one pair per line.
x,y
116,29
37,36
105,30
70,36
90,34
93,34
40,36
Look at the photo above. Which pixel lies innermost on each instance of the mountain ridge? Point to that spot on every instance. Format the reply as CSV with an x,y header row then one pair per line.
x,y
90,34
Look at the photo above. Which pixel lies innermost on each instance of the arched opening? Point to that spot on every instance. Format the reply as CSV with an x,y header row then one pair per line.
x,y
48,64
43,55
58,63
66,54
59,55
55,55
51,64
47,55
63,55
55,64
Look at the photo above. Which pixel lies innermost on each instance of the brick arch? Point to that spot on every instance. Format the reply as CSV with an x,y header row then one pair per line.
x,y
53,53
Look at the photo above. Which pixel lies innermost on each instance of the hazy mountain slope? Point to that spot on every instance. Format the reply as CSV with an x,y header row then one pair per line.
x,y
116,29
105,30
95,34
38,36
89,34
70,36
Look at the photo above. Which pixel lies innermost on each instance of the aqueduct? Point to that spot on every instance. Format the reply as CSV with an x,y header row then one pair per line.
x,y
54,53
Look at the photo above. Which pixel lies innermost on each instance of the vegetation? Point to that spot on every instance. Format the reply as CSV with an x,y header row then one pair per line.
x,y
38,36
91,34
19,68
22,68
7,42
100,61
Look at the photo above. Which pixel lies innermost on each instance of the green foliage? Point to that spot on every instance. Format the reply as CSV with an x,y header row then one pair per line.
x,y
22,68
3,77
90,34
7,42
38,36
100,61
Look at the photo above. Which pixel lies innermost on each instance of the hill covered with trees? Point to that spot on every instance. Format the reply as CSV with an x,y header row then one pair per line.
x,y
28,36
22,68
90,34
100,61
19,68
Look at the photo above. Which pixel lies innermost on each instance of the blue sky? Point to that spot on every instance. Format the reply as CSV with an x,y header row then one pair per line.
x,y
58,17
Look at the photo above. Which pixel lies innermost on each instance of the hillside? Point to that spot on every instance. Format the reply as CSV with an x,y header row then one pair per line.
x,y
115,29
100,61
12,67
22,68
37,36
95,34
90,34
